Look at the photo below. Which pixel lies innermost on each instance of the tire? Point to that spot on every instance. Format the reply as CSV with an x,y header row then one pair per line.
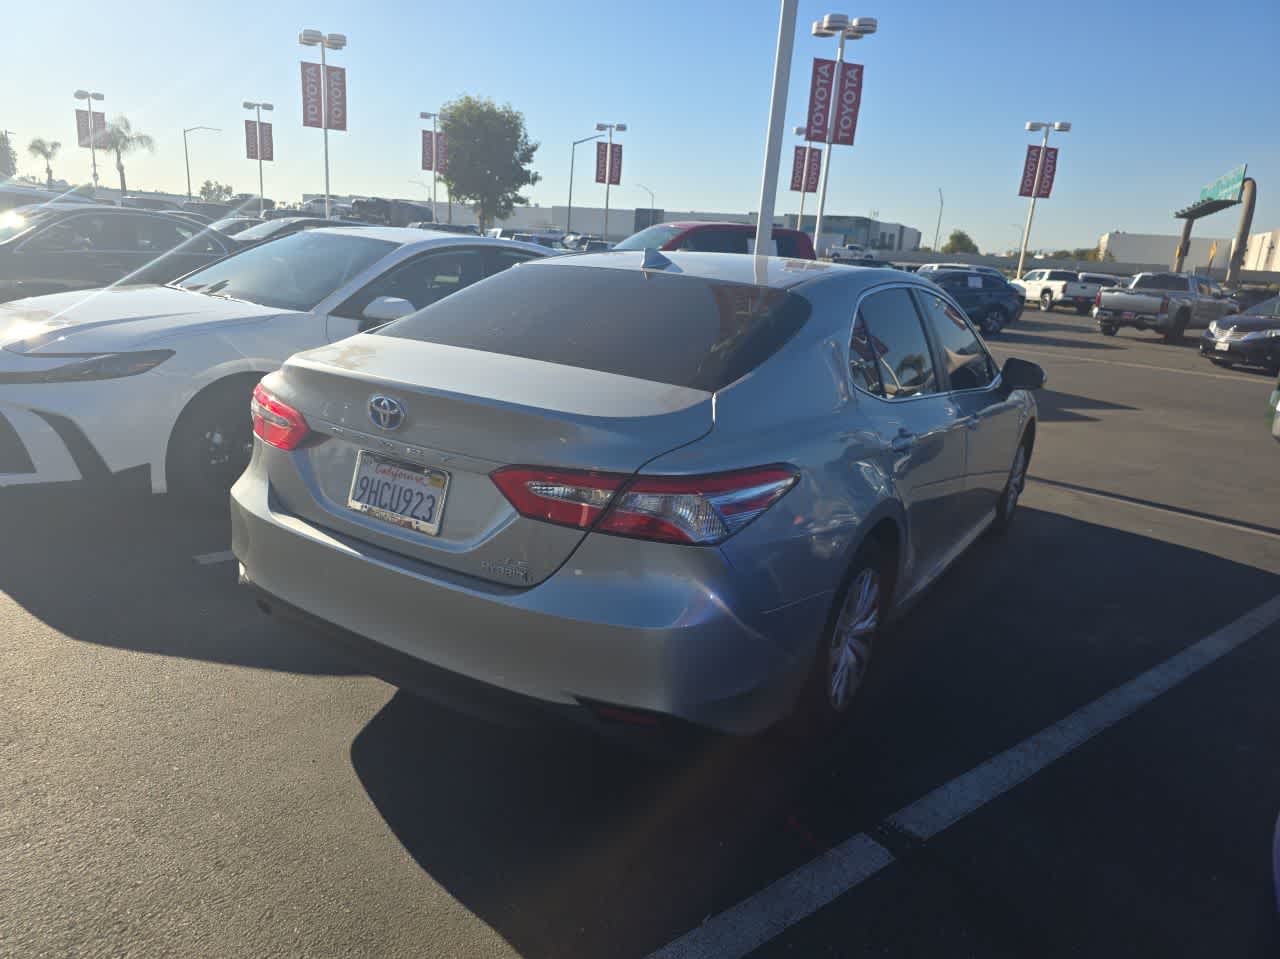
x,y
994,321
1007,507
1173,335
1226,364
1107,329
1046,301
845,651
211,442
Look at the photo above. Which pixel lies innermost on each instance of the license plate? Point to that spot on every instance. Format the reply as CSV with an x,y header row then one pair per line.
x,y
401,493
1222,345
1127,315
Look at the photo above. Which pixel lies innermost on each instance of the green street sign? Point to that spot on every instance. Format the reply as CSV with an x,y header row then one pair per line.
x,y
1226,187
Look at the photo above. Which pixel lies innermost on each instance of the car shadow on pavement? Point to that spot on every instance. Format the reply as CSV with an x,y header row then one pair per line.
x,y
1053,406
1009,337
118,568
568,846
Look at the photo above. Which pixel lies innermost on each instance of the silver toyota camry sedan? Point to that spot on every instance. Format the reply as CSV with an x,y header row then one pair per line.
x,y
646,487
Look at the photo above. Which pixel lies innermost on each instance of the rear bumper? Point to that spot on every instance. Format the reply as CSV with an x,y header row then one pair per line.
x,y
1139,321
670,639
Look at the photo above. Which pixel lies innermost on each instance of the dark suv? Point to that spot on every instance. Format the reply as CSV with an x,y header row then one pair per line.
x,y
992,304
702,237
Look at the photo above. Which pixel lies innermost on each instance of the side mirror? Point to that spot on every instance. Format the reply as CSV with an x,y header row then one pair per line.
x,y
1019,374
384,309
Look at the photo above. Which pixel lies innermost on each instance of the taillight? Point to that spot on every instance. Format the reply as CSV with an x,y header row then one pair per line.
x,y
275,423
700,510
1097,298
1164,305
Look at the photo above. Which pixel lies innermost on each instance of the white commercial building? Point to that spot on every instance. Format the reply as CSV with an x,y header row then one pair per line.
x,y
1261,254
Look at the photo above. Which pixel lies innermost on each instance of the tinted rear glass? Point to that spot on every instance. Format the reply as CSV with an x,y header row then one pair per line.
x,y
1161,281
654,238
682,330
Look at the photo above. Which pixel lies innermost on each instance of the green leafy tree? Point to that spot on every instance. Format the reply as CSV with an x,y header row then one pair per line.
x,y
959,242
215,192
46,150
121,139
489,153
8,158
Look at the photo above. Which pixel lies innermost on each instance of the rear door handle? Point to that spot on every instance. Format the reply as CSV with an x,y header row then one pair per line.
x,y
902,442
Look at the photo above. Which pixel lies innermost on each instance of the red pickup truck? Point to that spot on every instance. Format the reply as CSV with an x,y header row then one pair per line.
x,y
706,237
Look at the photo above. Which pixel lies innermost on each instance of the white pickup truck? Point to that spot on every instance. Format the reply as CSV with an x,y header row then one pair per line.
x,y
1051,287
1169,303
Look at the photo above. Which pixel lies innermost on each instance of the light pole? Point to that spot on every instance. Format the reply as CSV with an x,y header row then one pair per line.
x,y
835,24
1061,126
89,99
186,153
573,153
325,41
804,176
435,157
609,128
774,131
652,203
937,230
259,107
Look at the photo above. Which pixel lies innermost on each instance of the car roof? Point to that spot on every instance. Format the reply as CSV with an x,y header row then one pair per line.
x,y
97,208
690,224
776,272
412,236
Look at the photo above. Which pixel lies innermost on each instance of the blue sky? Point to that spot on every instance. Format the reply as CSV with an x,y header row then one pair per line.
x,y
1164,97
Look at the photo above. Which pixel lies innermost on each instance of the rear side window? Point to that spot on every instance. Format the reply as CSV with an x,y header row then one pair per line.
x,y
716,241
1061,275
1161,281
889,354
682,330
993,284
967,364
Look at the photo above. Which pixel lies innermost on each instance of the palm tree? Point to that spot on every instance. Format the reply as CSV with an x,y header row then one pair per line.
x,y
121,139
46,150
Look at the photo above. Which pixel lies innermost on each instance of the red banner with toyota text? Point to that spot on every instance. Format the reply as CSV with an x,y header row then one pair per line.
x,y
1028,184
821,83
848,100
335,95
428,151
1047,173
268,144
815,165
798,171
251,139
82,127
615,164
312,96
442,152
602,161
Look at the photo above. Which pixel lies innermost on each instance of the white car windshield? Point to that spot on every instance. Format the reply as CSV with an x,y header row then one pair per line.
x,y
293,273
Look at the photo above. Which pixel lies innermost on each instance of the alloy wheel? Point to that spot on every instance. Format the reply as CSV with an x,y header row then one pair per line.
x,y
851,642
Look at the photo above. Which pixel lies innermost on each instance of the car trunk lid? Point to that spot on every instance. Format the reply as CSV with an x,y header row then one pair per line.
x,y
466,413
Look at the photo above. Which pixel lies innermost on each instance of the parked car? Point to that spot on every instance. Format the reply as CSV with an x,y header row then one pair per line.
x,y
233,225
12,195
277,227
192,216
849,252
459,228
212,210
1170,303
544,502
1246,296
1251,338
704,237
989,301
927,268
148,203
160,376
49,249
1051,287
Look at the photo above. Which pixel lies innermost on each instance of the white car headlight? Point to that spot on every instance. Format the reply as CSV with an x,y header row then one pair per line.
x,y
1262,334
92,366
1213,327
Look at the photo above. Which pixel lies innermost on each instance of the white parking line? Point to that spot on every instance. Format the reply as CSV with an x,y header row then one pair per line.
x,y
207,559
756,920
1014,349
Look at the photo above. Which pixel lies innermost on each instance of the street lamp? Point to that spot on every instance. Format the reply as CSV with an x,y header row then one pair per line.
x,y
93,143
652,203
186,153
609,128
836,25
258,108
573,153
1061,126
937,230
325,41
435,157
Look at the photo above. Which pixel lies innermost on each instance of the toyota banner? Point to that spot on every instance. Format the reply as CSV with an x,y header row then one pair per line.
x,y
602,161
258,133
434,156
1028,185
316,95
821,82
615,164
82,127
798,169
848,100
1045,186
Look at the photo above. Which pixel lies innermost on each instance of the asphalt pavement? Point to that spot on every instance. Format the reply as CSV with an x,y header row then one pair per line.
x,y
1068,747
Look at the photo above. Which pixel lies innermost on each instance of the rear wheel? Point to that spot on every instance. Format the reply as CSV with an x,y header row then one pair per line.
x,y
844,656
211,442
1174,333
1046,301
993,322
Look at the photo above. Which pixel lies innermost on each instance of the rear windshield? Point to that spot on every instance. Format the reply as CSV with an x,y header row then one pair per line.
x,y
653,238
682,330
1160,281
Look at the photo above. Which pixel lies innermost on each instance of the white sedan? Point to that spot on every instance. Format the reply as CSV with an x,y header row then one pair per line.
x,y
159,378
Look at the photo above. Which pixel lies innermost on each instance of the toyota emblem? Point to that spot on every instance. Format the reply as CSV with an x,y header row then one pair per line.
x,y
386,413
